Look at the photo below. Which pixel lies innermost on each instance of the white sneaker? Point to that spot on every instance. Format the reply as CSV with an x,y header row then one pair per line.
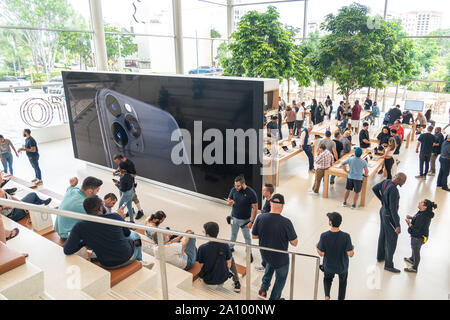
x,y
431,173
34,180
344,204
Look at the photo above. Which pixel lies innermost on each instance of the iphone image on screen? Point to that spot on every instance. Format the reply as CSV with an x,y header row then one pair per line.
x,y
142,133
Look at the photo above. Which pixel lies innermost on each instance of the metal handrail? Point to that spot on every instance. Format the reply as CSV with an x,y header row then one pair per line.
x,y
160,239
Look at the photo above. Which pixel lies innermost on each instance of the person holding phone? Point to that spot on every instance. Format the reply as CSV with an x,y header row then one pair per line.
x,y
126,187
131,168
419,230
244,203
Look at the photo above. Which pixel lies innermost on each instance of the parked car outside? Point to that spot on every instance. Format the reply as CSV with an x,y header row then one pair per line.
x,y
203,69
10,83
53,82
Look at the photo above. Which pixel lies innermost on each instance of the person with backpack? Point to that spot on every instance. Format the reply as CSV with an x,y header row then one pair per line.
x,y
418,228
216,260
335,246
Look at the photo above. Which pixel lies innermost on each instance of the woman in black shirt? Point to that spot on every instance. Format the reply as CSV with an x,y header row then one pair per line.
x,y
383,136
419,229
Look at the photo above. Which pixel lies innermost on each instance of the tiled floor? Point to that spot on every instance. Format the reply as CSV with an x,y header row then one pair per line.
x,y
367,279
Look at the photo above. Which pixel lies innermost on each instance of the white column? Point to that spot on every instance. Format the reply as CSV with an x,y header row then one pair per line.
x,y
305,19
101,58
178,33
230,17
385,9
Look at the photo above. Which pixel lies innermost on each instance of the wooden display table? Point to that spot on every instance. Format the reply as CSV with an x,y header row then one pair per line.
x,y
336,170
282,156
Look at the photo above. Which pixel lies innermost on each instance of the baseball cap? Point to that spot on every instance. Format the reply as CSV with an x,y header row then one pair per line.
x,y
358,152
278,197
335,218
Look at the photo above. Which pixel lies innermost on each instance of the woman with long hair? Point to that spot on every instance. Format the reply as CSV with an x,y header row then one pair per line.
x,y
388,156
418,228
154,221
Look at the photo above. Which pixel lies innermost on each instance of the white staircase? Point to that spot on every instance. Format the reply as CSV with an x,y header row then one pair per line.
x,y
23,282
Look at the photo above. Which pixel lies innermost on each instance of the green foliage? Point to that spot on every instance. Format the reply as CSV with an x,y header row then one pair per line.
x,y
262,47
213,33
118,45
356,54
42,13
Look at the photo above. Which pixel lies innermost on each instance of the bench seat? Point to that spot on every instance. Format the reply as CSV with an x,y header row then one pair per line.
x,y
120,274
9,259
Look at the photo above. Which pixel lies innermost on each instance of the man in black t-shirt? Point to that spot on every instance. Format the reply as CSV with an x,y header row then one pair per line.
x,y
32,152
128,165
335,246
425,142
272,126
216,259
267,194
407,117
339,148
439,137
364,139
244,201
277,232
394,114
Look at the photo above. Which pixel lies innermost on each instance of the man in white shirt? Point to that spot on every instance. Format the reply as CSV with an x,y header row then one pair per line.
x,y
299,119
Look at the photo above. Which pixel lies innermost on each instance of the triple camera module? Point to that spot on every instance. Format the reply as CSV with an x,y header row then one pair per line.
x,y
132,127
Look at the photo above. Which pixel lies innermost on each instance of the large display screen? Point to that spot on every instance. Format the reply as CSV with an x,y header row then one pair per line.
x,y
414,105
162,123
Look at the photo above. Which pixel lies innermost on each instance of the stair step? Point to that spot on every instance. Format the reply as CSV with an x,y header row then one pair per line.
x,y
22,282
110,295
144,280
66,277
176,277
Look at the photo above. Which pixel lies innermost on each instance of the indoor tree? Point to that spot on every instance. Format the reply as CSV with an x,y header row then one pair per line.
x,y
356,54
262,47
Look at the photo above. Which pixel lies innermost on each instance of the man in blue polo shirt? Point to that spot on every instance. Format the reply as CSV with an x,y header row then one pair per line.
x,y
244,201
73,201
276,232
358,170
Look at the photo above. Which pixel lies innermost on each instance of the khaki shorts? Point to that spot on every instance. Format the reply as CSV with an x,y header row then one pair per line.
x,y
355,123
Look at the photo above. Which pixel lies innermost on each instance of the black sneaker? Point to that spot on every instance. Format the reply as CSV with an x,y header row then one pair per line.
x,y
232,249
409,260
5,181
11,191
410,269
262,293
237,287
251,258
139,215
228,219
393,270
46,202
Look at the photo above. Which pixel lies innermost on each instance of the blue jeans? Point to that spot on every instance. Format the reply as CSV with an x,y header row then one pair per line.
x,y
280,279
19,214
7,161
309,154
191,252
34,160
235,229
127,200
137,254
